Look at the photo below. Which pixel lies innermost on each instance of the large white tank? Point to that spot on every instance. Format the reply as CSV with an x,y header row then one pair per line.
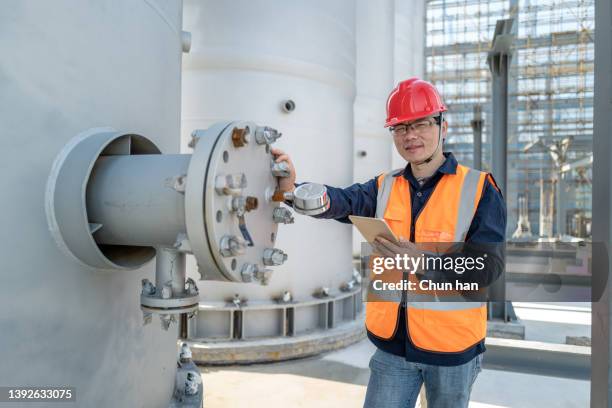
x,y
67,66
375,45
290,65
409,48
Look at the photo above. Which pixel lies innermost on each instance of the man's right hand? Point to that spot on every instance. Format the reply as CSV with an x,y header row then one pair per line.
x,y
285,184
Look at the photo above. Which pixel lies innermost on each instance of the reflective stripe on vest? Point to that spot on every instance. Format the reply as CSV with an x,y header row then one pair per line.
x,y
433,325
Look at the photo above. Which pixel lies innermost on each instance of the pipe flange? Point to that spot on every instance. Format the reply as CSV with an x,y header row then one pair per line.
x,y
172,311
177,301
231,171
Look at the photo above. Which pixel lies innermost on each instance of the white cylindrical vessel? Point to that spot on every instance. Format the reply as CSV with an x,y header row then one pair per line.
x,y
409,52
68,66
290,65
375,45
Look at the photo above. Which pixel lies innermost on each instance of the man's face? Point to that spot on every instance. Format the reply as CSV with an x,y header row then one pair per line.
x,y
417,140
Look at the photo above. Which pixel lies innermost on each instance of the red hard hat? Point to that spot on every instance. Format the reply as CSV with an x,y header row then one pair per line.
x,y
413,99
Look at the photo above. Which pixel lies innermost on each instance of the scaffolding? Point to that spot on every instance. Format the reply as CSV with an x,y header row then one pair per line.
x,y
551,99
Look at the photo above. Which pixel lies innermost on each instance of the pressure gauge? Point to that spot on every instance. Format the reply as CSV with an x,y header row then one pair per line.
x,y
310,199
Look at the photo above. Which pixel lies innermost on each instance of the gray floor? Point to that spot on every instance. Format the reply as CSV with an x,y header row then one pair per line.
x,y
551,322
339,379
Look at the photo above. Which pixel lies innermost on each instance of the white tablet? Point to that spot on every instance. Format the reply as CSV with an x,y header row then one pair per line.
x,y
371,228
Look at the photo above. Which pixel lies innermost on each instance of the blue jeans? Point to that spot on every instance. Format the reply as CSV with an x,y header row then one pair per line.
x,y
395,382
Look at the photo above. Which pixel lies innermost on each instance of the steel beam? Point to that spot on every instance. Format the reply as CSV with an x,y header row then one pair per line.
x,y
499,58
601,369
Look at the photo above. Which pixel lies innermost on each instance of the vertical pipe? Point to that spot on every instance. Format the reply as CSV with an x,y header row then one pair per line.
x,y
170,267
601,367
183,326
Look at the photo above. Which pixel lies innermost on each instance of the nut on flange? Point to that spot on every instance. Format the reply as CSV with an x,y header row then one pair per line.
x,y
274,257
240,136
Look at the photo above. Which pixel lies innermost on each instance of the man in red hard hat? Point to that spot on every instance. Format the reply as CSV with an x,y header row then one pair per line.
x,y
433,199
416,102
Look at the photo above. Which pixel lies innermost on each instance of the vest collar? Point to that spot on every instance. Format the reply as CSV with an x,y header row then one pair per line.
x,y
448,167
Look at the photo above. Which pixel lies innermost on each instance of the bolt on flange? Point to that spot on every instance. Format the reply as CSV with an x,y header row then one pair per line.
x,y
282,215
231,245
280,169
274,257
266,135
241,136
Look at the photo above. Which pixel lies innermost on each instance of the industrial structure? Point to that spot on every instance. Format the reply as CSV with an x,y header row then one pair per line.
x,y
144,230
550,118
147,210
294,84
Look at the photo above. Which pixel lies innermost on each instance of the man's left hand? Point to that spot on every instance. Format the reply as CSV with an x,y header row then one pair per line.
x,y
390,249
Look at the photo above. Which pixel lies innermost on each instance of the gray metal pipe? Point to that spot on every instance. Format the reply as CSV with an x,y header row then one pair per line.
x,y
138,199
170,267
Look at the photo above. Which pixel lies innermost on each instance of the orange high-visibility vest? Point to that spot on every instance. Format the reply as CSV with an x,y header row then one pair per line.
x,y
446,327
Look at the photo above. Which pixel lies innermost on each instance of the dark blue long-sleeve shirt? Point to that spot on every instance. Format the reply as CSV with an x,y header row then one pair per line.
x,y
488,226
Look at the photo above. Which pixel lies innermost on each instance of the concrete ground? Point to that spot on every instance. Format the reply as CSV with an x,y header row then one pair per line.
x,y
339,379
551,322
